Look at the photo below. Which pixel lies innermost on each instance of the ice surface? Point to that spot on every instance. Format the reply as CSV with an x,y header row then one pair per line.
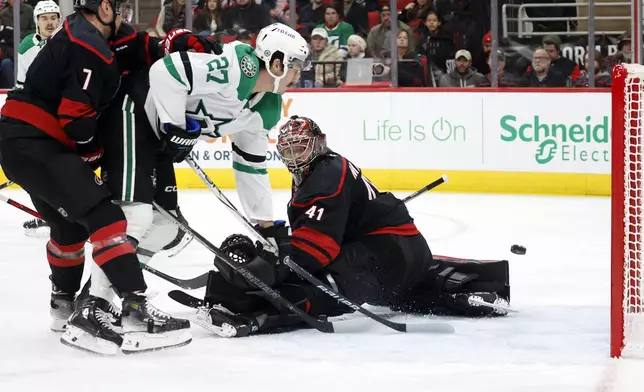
x,y
559,341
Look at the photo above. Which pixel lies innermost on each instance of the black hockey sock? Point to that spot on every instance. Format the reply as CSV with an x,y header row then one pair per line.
x,y
116,256
66,263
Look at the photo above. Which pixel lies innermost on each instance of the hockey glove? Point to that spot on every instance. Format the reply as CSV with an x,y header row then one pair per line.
x,y
90,152
276,234
183,40
178,142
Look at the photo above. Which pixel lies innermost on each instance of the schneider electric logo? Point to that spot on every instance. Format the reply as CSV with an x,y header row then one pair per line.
x,y
565,142
437,129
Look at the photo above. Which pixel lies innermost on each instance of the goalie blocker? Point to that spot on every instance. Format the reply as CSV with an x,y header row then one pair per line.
x,y
360,241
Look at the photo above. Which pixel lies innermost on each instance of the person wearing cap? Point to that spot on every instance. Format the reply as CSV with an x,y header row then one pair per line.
x,y
624,53
462,75
326,75
379,38
480,62
505,79
541,74
565,66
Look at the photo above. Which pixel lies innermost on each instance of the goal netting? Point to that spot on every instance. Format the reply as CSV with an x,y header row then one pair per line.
x,y
627,288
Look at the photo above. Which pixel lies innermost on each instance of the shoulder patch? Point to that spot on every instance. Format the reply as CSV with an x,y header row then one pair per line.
x,y
249,68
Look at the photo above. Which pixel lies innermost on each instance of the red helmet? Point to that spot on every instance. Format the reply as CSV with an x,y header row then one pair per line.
x,y
299,142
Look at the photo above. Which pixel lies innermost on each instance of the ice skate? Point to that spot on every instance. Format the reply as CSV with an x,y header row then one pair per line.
x,y
90,328
225,323
36,228
146,328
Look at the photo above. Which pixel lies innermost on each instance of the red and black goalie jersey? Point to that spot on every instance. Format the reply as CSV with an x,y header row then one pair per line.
x,y
335,205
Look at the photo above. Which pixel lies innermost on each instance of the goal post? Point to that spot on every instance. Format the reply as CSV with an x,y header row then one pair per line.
x,y
627,231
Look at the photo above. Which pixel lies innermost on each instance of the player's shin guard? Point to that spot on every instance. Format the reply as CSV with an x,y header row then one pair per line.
x,y
66,263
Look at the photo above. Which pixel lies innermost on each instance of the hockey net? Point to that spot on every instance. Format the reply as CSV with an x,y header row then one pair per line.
x,y
627,287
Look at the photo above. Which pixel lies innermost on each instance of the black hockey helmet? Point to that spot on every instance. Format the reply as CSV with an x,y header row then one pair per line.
x,y
299,143
120,7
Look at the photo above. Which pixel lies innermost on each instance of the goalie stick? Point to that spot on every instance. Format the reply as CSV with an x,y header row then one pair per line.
x,y
400,327
272,295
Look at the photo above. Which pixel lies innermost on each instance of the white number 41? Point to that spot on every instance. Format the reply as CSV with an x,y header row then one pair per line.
x,y
311,212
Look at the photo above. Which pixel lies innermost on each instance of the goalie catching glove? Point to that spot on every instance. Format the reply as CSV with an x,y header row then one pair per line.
x,y
178,142
263,264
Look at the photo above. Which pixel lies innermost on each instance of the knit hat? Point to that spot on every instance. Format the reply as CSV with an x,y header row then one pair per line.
x,y
487,38
552,39
358,40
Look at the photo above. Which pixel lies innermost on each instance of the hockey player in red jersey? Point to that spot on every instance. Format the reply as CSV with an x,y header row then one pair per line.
x,y
48,146
361,241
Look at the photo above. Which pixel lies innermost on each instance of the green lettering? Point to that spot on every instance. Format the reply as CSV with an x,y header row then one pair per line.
x,y
576,133
506,126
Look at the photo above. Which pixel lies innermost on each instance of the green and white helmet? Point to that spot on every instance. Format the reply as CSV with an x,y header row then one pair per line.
x,y
280,38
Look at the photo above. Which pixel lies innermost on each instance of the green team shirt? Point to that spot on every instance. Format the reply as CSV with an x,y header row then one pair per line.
x,y
27,51
339,35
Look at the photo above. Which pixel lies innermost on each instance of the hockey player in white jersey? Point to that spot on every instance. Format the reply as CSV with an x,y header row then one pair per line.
x,y
47,18
236,93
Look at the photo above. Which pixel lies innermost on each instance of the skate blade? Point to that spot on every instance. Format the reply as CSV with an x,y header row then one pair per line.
x,y
141,342
203,320
173,251
77,338
499,308
58,325
41,232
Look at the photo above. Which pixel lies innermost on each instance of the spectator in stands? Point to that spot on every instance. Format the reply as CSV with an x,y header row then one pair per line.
x,y
541,74
7,78
437,45
481,62
244,36
356,46
208,21
566,67
299,27
172,16
505,79
27,23
312,14
624,53
602,76
415,13
338,31
326,75
246,14
463,75
356,15
379,38
276,9
410,69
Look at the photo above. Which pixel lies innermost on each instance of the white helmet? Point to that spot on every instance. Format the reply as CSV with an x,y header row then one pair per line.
x,y
279,38
45,7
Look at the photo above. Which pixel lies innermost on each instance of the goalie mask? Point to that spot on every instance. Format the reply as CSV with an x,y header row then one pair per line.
x,y
299,143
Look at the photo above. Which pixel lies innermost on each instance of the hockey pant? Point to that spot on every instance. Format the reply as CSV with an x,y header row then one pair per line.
x,y
76,205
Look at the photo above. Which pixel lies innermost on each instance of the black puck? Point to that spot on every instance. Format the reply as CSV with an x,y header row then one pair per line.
x,y
518,249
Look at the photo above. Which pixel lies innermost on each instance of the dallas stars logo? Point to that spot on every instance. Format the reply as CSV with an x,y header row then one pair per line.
x,y
248,66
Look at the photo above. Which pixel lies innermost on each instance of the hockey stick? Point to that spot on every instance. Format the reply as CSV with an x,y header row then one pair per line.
x,y
6,184
272,295
19,206
220,195
188,284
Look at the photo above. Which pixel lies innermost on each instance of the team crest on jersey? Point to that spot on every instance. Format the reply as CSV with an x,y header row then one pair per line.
x,y
248,66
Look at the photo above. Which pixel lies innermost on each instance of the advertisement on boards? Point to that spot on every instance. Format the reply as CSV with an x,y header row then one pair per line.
x,y
563,133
